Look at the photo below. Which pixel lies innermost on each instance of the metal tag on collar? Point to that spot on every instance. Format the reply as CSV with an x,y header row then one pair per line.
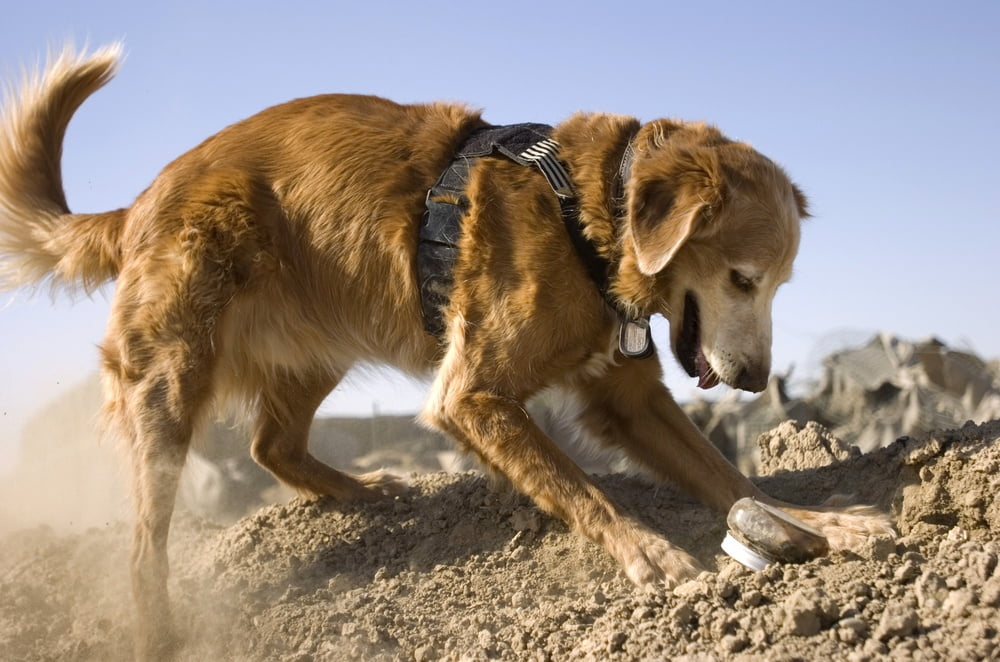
x,y
635,340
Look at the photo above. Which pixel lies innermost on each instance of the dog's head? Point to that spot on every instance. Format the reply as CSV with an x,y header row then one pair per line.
x,y
712,230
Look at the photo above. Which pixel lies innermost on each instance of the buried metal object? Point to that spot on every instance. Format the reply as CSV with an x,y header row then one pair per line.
x,y
760,534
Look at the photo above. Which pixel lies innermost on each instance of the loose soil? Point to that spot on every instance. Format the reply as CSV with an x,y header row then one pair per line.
x,y
458,569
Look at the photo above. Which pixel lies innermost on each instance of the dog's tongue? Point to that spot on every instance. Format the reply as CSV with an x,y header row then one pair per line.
x,y
706,376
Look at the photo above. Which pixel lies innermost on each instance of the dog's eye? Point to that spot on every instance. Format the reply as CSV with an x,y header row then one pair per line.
x,y
743,283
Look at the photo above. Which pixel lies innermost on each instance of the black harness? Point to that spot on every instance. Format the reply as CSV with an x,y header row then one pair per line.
x,y
441,226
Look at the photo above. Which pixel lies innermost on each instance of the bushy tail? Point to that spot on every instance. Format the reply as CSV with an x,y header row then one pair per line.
x,y
40,239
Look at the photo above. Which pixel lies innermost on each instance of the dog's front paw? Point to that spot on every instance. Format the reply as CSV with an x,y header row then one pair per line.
x,y
380,484
846,528
650,560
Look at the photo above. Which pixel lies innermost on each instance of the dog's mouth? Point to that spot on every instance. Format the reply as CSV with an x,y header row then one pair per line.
x,y
689,351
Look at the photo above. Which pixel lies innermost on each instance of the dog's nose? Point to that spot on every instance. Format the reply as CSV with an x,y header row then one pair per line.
x,y
752,378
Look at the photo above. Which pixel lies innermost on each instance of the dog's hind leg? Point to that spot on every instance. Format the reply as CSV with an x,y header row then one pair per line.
x,y
158,454
159,359
156,380
281,441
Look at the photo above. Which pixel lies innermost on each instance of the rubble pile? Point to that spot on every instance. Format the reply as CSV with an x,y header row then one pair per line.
x,y
868,396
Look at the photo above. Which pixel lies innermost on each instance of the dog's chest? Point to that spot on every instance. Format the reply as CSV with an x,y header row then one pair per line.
x,y
597,364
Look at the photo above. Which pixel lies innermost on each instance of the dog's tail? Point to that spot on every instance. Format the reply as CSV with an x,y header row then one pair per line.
x,y
40,239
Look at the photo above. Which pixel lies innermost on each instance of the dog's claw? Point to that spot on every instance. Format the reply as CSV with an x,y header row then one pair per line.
x,y
381,483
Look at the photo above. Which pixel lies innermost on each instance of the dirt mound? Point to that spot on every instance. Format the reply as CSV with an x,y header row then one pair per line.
x,y
457,570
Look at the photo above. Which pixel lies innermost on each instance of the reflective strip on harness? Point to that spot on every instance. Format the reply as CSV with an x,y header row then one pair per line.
x,y
545,155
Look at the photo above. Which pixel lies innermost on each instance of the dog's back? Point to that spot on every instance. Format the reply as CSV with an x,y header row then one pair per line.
x,y
302,218
307,212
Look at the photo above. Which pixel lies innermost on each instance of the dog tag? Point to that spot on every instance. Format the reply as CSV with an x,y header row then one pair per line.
x,y
635,340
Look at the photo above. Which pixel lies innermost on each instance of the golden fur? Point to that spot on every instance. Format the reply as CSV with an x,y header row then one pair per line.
x,y
265,262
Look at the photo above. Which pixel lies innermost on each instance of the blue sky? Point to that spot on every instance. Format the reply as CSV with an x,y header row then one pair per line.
x,y
885,113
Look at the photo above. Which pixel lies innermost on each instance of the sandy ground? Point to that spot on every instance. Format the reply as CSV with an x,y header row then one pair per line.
x,y
456,570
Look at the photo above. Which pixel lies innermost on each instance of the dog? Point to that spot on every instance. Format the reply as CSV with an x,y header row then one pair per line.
x,y
260,266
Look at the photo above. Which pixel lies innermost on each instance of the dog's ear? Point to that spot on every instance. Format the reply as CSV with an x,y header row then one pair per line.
x,y
801,202
664,212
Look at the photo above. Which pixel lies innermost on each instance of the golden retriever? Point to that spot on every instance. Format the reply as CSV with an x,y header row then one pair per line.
x,y
265,262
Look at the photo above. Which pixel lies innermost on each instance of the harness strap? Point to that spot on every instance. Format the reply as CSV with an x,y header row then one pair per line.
x,y
437,245
545,155
440,229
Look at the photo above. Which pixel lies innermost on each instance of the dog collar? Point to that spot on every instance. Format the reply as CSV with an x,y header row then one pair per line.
x,y
528,145
635,339
624,174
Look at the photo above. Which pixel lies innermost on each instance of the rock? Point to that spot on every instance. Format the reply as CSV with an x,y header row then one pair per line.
x,y
930,590
642,613
802,614
424,653
616,642
852,630
898,620
682,616
733,643
989,596
957,602
981,565
691,589
906,572
878,548
732,570
526,519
